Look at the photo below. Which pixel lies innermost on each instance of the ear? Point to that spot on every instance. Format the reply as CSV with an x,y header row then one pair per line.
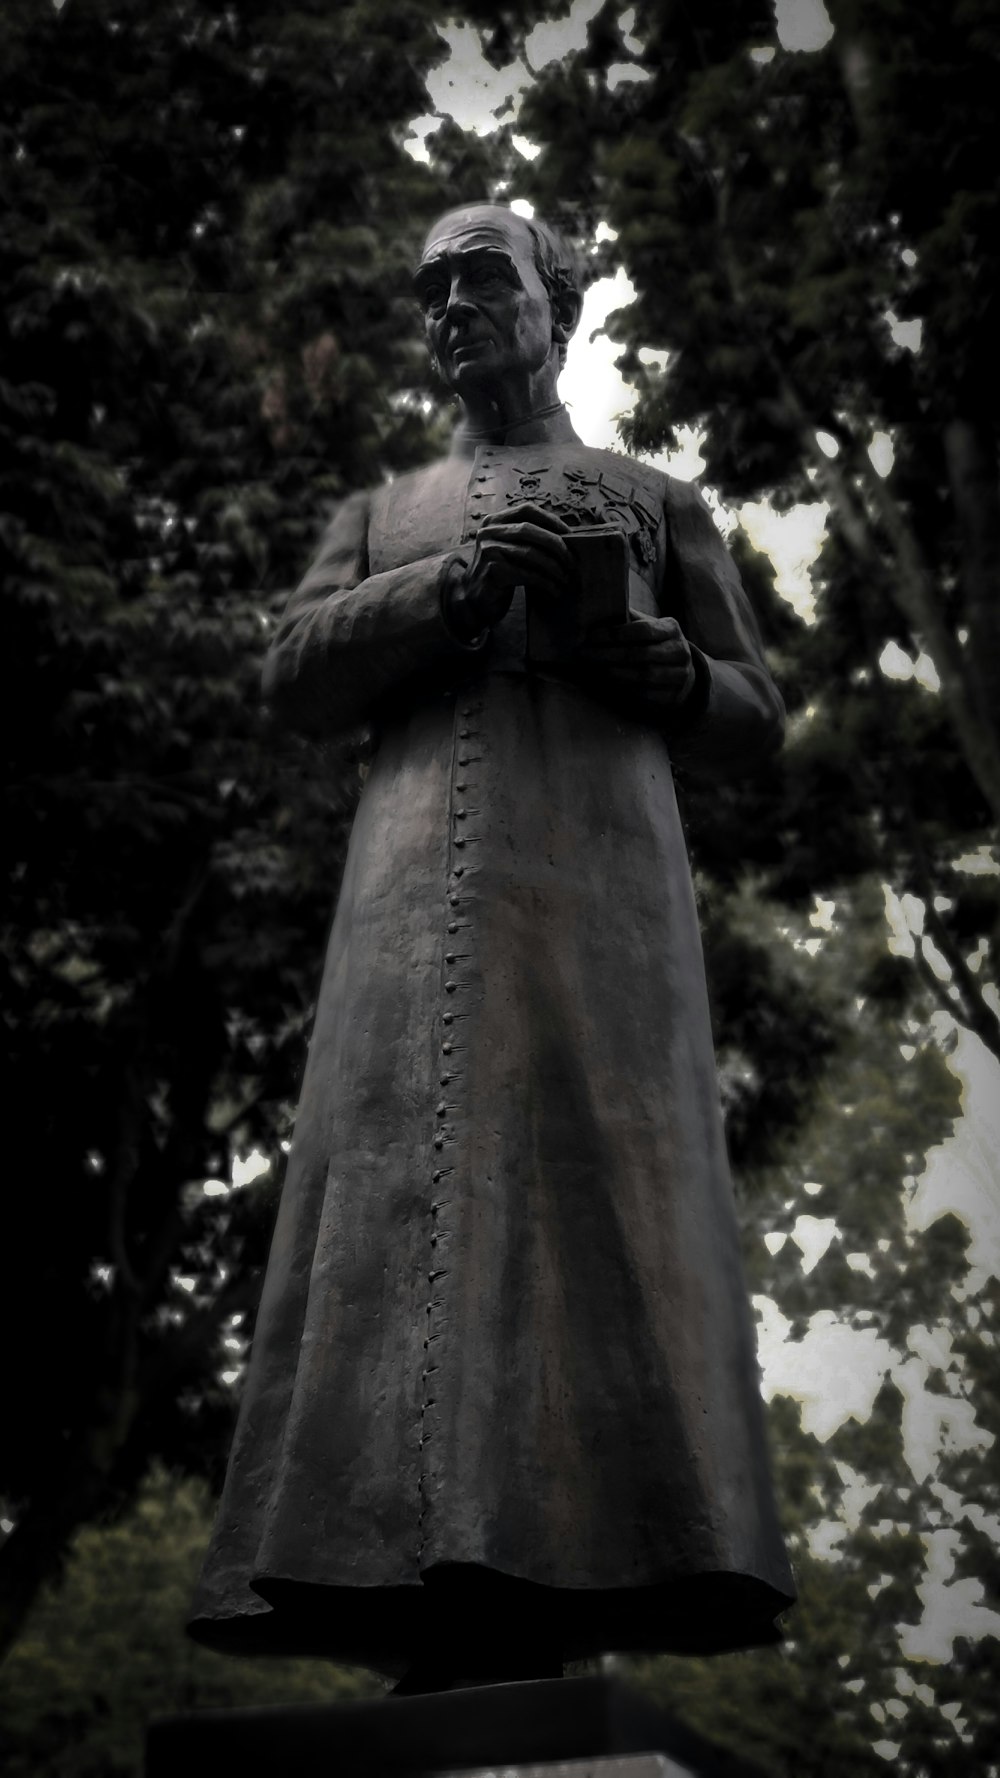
x,y
567,307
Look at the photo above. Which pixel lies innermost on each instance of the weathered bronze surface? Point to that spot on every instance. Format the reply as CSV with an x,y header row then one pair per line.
x,y
503,1357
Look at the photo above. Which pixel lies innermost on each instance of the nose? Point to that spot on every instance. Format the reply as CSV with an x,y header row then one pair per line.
x,y
460,306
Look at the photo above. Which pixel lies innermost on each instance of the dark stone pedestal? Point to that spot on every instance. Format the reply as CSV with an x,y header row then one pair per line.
x,y
539,1723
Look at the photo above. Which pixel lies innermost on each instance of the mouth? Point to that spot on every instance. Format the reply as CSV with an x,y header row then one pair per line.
x,y
466,348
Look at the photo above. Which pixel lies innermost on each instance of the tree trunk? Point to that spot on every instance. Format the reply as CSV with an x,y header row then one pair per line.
x,y
971,456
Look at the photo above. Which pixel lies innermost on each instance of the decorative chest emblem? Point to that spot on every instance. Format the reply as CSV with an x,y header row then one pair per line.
x,y
584,499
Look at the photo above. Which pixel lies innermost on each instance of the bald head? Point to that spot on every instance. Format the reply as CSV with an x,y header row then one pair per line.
x,y
556,264
473,217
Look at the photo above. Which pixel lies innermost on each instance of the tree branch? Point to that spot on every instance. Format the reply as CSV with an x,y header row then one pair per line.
x,y
909,580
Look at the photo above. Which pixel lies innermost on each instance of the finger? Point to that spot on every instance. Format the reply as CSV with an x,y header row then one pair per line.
x,y
524,566
638,667
654,681
618,639
515,548
535,554
637,632
537,515
524,531
671,655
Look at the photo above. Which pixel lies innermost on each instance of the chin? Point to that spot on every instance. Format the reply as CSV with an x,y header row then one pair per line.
x,y
481,388
482,367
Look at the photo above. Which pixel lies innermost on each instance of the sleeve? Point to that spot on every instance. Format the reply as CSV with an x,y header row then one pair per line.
x,y
736,715
348,639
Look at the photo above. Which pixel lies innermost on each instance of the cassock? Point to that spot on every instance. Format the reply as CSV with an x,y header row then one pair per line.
x,y
503,1353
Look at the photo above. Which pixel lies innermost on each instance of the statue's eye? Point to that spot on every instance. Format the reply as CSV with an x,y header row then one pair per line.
x,y
433,298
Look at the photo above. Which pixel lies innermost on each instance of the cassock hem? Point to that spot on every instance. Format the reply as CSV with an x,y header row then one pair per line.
x,y
387,1628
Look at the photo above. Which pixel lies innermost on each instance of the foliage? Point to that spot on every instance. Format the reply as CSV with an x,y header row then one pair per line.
x,y
864,1506
105,1654
813,240
207,337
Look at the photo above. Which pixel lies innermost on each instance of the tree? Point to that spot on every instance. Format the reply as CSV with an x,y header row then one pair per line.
x,y
105,1653
207,337
813,241
865,1495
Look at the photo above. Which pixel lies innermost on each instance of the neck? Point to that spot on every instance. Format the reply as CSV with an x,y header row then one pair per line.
x,y
495,428
490,410
549,425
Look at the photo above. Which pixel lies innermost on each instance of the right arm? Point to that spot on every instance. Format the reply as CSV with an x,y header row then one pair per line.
x,y
348,639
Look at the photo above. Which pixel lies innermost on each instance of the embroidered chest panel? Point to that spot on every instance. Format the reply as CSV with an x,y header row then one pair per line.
x,y
437,509
584,488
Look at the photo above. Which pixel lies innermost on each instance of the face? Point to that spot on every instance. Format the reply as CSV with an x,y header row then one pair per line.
x,y
486,311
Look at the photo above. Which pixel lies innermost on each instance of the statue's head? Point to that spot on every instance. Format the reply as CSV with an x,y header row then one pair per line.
x,y
501,295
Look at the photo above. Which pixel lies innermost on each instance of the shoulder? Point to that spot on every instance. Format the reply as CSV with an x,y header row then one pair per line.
x,y
423,486
691,522
615,466
687,511
426,475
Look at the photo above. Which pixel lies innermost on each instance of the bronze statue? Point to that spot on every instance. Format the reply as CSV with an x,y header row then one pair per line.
x,y
503,1356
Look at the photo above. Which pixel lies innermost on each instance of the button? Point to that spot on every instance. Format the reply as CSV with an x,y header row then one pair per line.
x,y
435,1179
439,1142
447,1048
450,957
460,843
456,902
459,870
442,1110
444,1079
460,814
463,734
452,925
449,987
448,1018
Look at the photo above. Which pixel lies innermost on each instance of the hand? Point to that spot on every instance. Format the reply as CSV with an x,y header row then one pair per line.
x,y
521,547
646,662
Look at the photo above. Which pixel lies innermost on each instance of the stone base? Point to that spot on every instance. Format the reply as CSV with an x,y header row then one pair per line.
x,y
633,1765
547,1728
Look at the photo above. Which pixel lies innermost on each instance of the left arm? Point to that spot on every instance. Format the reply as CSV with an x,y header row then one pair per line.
x,y
698,670
739,716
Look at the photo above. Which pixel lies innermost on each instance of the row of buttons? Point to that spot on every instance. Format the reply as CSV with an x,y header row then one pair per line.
x,y
456,955
474,517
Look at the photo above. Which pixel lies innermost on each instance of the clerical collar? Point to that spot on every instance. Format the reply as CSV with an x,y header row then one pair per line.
x,y
551,425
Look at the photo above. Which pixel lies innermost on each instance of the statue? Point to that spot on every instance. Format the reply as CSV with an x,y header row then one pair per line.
x,y
504,1356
